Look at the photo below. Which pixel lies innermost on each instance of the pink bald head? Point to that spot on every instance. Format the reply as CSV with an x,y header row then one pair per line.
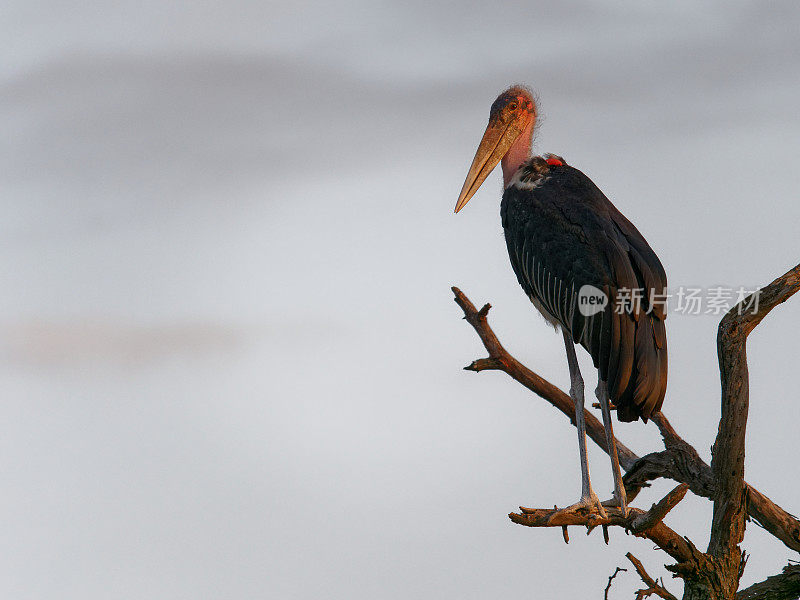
x,y
517,103
507,138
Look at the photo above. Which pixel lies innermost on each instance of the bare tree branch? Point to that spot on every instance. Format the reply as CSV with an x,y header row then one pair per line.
x,y
660,509
785,586
610,579
682,463
641,523
679,462
727,464
773,518
674,544
653,587
500,359
714,575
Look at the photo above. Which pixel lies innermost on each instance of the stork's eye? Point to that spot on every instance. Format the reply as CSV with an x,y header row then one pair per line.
x,y
513,106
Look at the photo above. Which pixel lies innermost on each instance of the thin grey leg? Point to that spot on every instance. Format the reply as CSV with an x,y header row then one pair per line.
x,y
588,497
619,489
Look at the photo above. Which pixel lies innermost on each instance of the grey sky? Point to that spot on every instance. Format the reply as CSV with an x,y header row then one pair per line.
x,y
231,361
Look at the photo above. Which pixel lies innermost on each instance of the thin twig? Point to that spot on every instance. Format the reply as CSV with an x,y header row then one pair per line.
x,y
653,587
610,579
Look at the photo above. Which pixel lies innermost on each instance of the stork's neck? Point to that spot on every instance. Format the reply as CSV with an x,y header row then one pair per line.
x,y
518,154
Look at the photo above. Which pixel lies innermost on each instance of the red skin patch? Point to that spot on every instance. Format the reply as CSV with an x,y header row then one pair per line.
x,y
555,162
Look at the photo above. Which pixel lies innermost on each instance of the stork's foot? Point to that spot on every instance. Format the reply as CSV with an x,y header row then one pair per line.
x,y
616,503
589,504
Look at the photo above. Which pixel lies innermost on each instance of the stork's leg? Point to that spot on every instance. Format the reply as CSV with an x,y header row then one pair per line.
x,y
619,489
588,498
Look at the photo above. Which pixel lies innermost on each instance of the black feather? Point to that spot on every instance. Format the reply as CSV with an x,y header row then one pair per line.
x,y
562,233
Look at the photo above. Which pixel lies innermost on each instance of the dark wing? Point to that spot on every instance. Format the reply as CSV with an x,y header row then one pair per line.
x,y
563,234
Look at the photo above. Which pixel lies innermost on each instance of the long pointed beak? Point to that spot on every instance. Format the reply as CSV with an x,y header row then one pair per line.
x,y
497,139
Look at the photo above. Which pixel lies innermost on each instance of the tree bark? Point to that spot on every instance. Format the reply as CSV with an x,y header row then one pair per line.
x,y
727,464
785,586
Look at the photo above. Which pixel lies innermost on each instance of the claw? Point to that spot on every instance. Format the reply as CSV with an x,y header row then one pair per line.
x,y
590,504
615,503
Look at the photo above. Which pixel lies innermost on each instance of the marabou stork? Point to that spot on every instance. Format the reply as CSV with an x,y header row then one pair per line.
x,y
567,243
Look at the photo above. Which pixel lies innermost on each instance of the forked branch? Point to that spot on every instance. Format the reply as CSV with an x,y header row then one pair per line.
x,y
641,523
717,573
727,465
653,587
680,462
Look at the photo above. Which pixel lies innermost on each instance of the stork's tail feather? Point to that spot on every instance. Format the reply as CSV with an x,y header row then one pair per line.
x,y
644,393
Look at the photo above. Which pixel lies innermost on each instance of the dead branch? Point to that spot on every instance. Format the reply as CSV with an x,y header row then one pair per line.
x,y
667,431
499,359
641,523
610,579
653,587
680,462
773,518
660,509
727,464
662,536
785,586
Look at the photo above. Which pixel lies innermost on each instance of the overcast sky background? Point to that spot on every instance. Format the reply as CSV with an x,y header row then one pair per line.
x,y
231,364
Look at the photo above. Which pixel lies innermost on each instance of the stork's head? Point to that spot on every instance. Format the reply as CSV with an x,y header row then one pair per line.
x,y
511,122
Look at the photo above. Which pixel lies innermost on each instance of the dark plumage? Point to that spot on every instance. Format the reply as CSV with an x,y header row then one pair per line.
x,y
586,268
563,233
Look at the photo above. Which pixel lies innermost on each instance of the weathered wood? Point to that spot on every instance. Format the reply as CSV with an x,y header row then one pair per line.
x,y
728,452
680,462
500,359
674,544
727,463
712,576
610,579
683,464
773,518
653,587
660,509
785,586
